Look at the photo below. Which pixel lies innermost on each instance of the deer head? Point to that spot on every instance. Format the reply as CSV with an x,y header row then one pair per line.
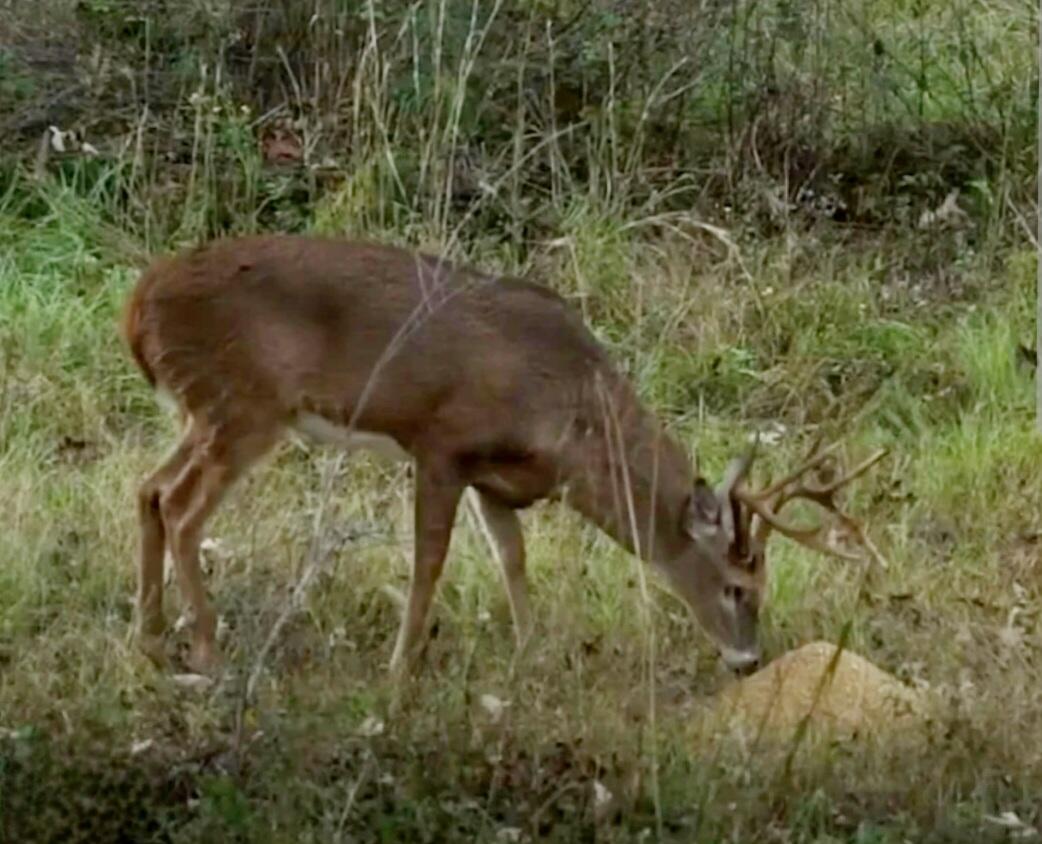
x,y
729,527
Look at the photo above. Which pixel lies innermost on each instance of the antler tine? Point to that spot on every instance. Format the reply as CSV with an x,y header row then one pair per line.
x,y
824,494
857,529
812,537
767,503
812,462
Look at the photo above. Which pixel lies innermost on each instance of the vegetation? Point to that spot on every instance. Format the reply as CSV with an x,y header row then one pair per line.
x,y
781,217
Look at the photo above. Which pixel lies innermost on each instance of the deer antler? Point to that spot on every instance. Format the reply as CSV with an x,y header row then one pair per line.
x,y
767,503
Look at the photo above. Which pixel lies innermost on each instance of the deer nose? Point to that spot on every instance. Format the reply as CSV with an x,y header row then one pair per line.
x,y
741,662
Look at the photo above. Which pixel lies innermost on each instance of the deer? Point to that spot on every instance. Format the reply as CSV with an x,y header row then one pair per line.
x,y
488,383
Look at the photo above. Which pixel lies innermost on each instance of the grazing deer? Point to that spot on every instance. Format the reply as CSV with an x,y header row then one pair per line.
x,y
486,382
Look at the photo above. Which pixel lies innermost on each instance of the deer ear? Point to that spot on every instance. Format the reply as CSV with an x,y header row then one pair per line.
x,y
701,510
737,470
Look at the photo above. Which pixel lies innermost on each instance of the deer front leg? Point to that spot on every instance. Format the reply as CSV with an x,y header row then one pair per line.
x,y
437,496
505,537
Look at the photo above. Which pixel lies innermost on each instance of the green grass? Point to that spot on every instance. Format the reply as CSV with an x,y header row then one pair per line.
x,y
93,740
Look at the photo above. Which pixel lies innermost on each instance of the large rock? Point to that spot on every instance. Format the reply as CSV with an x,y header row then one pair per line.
x,y
833,691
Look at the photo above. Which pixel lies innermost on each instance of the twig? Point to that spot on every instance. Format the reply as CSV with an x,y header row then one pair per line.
x,y
352,795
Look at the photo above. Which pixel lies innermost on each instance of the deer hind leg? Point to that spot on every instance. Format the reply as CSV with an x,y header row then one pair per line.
x,y
503,529
219,456
437,495
152,549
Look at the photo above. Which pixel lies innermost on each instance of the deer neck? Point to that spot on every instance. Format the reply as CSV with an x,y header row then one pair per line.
x,y
630,478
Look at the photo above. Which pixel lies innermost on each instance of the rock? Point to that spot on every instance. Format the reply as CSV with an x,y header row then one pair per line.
x,y
845,694
192,682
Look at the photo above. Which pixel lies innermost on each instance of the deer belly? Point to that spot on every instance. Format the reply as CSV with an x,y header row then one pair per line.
x,y
322,430
517,486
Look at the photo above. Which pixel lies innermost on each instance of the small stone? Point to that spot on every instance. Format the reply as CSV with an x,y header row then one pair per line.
x,y
192,682
371,727
139,747
493,706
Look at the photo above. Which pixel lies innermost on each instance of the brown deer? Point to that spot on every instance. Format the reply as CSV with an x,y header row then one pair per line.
x,y
487,382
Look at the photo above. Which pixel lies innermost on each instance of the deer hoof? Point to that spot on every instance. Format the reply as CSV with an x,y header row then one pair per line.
x,y
153,646
402,664
204,659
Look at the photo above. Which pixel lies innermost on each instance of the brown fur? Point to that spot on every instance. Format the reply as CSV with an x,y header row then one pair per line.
x,y
132,327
